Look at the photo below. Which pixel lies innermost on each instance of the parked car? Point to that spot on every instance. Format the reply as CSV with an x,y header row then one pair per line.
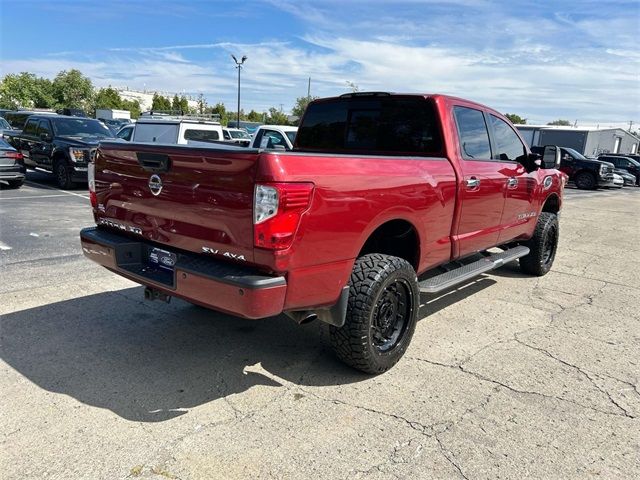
x,y
60,144
280,137
337,229
72,112
236,135
585,173
126,132
618,181
4,126
623,162
629,179
177,130
114,124
17,118
12,169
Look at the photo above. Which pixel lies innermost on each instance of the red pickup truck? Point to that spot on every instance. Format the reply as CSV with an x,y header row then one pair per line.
x,y
379,189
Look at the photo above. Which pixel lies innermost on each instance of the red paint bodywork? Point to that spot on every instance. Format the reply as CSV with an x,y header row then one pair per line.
x,y
207,200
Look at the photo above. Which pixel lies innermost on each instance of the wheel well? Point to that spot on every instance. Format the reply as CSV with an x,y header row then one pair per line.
x,y
589,172
551,204
396,237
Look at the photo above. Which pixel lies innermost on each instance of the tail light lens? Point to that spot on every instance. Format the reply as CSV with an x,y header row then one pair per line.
x,y
14,155
277,209
91,179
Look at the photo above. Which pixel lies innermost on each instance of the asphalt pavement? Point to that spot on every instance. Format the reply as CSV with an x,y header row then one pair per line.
x,y
507,377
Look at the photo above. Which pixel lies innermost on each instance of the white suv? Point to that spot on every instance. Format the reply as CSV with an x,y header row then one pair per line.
x,y
274,136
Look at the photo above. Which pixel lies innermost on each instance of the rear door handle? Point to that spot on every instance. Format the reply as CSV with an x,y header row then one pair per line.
x,y
473,182
512,182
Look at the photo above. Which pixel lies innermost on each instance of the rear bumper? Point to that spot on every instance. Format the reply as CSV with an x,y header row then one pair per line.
x,y
12,172
235,289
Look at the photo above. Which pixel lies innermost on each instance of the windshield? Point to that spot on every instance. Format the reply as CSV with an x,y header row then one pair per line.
x,y
291,136
4,123
238,134
575,154
81,127
634,161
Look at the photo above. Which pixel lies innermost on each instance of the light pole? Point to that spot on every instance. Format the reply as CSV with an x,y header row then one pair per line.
x,y
239,67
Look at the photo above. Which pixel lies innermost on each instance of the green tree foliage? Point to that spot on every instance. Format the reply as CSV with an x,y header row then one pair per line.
x,y
175,102
133,106
220,109
516,119
25,90
160,103
254,116
564,123
277,117
184,104
73,90
108,98
202,104
301,105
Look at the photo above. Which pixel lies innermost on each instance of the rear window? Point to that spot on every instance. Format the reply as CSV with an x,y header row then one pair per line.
x,y
201,135
156,132
391,125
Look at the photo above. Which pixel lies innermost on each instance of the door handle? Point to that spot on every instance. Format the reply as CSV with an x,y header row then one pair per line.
x,y
473,182
512,182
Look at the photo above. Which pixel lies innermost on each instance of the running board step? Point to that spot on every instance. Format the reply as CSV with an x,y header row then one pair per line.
x,y
466,272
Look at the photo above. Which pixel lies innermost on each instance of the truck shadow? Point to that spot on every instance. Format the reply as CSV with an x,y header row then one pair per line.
x,y
151,362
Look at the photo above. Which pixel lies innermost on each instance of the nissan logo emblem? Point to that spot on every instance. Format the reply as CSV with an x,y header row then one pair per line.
x,y
155,184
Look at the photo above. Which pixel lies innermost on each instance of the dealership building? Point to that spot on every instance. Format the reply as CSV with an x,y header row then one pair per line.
x,y
590,141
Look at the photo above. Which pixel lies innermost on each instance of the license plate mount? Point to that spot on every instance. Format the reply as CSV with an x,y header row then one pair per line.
x,y
162,259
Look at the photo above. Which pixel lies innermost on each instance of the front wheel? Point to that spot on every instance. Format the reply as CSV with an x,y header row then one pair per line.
x,y
543,246
585,181
63,174
382,313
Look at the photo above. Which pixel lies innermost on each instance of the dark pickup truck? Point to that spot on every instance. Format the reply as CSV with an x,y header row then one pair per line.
x,y
585,173
59,144
378,189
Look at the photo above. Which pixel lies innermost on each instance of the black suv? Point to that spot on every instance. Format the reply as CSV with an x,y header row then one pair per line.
x,y
587,174
624,162
60,144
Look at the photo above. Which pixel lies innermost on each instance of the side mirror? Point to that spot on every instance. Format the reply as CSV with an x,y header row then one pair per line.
x,y
45,137
550,157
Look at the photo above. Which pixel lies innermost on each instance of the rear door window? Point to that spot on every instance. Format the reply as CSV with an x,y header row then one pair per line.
x,y
44,127
507,141
473,133
389,125
31,127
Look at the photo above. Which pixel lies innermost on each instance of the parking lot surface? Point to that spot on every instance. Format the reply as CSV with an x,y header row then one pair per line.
x,y
507,377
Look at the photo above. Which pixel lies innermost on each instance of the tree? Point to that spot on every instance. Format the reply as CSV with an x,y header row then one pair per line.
x,y
108,98
254,116
26,90
277,117
133,106
201,104
73,90
516,119
220,109
564,123
175,103
184,104
160,103
301,105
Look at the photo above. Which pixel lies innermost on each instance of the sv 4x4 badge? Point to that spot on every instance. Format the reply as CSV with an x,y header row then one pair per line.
x,y
215,251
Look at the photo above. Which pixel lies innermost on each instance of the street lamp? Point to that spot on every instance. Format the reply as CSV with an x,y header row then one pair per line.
x,y
239,67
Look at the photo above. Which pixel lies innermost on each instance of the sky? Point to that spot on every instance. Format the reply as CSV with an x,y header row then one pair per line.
x,y
575,59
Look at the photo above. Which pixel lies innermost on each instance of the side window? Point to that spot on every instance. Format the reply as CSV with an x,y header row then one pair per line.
x,y
226,135
201,135
31,127
271,139
43,127
125,133
507,142
472,130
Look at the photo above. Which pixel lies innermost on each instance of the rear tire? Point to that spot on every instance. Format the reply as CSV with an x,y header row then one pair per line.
x,y
585,181
14,184
382,313
63,175
543,246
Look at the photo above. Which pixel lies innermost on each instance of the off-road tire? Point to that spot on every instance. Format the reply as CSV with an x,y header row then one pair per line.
x,y
586,181
62,174
15,184
543,246
375,279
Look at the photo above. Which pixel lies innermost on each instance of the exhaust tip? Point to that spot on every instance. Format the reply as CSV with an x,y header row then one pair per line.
x,y
309,318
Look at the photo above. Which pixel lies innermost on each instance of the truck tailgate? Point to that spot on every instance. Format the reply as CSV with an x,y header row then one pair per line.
x,y
198,199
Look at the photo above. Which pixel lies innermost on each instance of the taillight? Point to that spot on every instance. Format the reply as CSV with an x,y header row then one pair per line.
x,y
91,179
14,155
277,209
